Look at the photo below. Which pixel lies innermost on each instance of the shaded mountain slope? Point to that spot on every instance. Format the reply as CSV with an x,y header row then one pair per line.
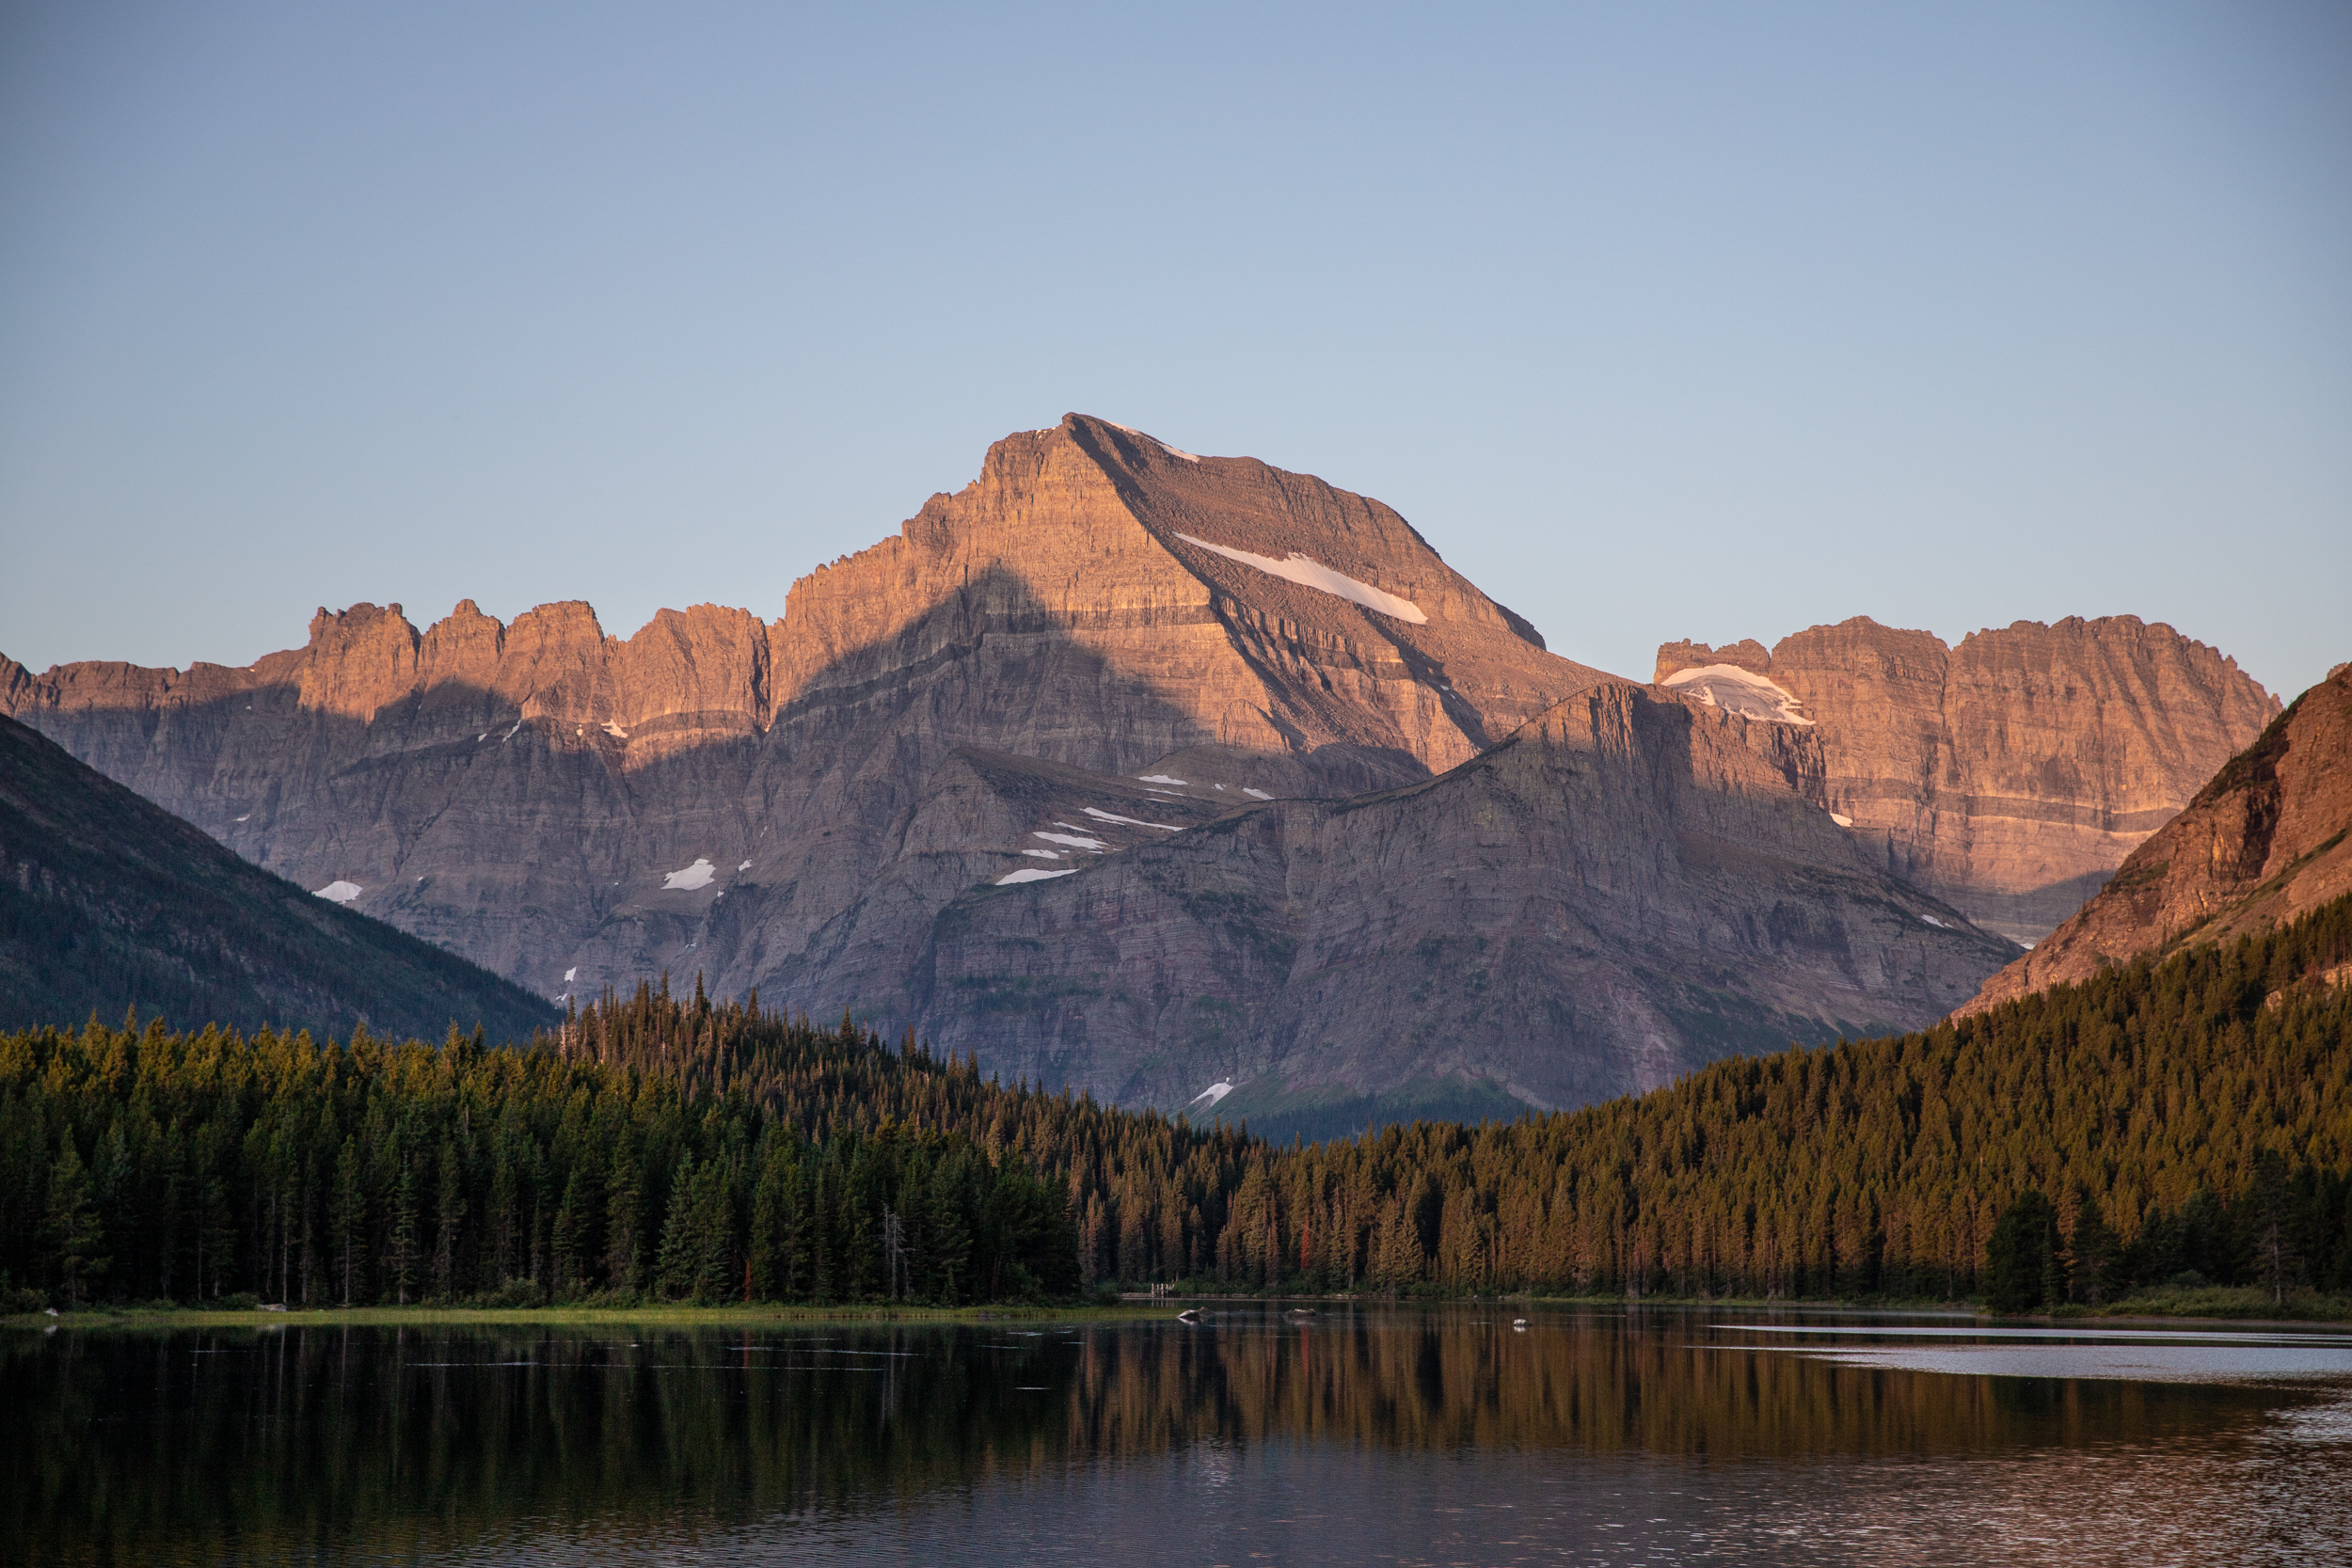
x,y
107,902
1621,891
2264,842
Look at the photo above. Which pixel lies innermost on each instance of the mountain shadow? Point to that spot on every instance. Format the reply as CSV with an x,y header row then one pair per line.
x,y
110,904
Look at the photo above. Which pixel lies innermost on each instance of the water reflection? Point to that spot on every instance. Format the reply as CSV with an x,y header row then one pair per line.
x,y
1347,1436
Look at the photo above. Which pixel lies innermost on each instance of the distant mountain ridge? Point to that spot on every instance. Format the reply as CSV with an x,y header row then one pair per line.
x,y
2266,841
109,904
1623,889
1105,673
2009,775
517,792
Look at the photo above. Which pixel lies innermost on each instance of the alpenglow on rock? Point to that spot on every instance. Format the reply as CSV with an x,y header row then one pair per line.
x,y
1105,655
526,794
2264,843
2011,774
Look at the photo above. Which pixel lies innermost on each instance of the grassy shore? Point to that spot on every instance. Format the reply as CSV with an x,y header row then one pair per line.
x,y
2171,1303
665,1316
2235,1301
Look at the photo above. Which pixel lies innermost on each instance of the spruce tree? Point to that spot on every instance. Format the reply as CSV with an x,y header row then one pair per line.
x,y
73,1230
2019,1255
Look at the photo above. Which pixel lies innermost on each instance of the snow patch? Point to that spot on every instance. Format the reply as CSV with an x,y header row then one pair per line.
x,y
1172,451
246,818
1255,794
1309,573
614,729
1937,924
1214,1093
745,867
337,892
1101,816
572,973
1035,874
1044,854
1157,778
1072,841
1740,691
1841,821
695,876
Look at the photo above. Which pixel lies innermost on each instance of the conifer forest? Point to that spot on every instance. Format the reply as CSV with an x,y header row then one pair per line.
x,y
2188,1121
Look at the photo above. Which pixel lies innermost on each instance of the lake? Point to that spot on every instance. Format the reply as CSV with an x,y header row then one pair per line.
x,y
1390,1436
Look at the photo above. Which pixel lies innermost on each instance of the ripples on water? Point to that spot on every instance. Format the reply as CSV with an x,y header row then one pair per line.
x,y
1344,1437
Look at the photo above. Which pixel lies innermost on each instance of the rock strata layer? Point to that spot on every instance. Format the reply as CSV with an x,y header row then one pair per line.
x,y
2009,775
2264,842
717,792
1620,890
1204,701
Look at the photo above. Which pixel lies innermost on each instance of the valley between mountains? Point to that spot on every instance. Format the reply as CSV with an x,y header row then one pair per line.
x,y
1143,771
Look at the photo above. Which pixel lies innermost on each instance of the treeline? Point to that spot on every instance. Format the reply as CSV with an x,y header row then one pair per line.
x,y
2188,1121
145,1164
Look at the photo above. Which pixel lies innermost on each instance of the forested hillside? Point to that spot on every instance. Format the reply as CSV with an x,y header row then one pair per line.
x,y
109,902
2194,1116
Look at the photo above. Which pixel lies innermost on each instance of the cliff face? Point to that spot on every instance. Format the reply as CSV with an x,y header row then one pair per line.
x,y
571,809
2265,841
2009,775
109,903
1622,889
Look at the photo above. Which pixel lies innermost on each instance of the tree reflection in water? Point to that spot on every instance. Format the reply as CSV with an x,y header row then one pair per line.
x,y
187,1446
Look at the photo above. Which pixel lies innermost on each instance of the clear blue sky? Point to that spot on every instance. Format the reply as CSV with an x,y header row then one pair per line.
x,y
1659,321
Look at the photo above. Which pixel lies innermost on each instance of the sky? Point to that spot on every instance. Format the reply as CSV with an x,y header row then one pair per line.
x,y
1658,321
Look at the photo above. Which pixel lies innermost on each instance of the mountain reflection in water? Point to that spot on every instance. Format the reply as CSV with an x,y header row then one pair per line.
x,y
1345,1436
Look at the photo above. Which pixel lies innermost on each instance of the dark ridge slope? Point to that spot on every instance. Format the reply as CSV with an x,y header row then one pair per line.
x,y
108,902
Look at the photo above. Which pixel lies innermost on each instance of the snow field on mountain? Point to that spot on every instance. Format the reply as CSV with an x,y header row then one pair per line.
x,y
1309,573
1740,691
1101,816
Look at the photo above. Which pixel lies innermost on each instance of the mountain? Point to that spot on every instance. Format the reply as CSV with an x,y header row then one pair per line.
x,y
555,802
2263,844
1623,889
1082,769
107,903
2009,775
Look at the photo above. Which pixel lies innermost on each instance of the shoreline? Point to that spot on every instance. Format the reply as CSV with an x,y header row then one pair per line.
x,y
2245,1308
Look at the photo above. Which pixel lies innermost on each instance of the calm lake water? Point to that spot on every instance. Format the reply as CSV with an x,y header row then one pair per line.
x,y
1344,1436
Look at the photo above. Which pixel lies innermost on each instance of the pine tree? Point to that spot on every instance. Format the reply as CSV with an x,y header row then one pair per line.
x,y
625,1218
2020,1256
448,1219
2091,1250
72,1227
